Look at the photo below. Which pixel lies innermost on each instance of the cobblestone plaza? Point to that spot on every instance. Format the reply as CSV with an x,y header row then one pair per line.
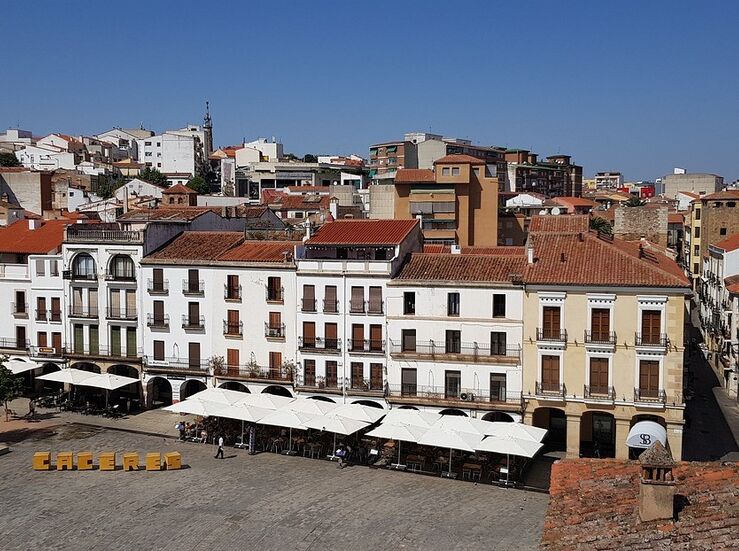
x,y
263,502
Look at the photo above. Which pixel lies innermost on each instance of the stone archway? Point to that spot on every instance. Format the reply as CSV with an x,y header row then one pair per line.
x,y
277,390
190,387
87,366
322,399
408,407
158,392
597,434
499,416
453,411
554,421
235,385
369,403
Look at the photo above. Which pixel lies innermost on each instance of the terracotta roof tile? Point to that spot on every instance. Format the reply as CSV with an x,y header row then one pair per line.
x,y
163,214
729,244
411,175
469,159
732,284
721,195
180,188
574,202
260,251
675,218
560,259
475,268
313,202
309,189
495,251
363,232
18,238
594,504
568,223
203,245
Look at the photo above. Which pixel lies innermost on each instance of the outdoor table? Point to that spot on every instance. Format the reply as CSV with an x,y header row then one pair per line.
x,y
312,450
415,462
471,471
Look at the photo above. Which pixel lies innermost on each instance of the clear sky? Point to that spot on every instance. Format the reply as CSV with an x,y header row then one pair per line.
x,y
636,86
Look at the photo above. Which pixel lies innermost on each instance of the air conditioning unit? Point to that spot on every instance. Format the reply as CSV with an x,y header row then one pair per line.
x,y
67,274
467,397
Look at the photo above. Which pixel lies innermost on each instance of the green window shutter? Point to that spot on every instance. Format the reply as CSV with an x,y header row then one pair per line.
x,y
79,339
115,341
131,342
94,340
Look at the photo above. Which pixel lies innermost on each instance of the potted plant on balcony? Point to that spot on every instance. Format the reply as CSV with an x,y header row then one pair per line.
x,y
215,365
321,382
288,370
252,368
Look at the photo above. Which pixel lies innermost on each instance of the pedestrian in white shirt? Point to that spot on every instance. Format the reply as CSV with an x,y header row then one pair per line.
x,y
220,448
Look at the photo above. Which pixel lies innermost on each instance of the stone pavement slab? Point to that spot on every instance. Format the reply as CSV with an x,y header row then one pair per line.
x,y
265,502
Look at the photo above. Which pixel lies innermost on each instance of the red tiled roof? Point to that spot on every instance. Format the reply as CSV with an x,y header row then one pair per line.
x,y
721,195
568,223
363,232
468,159
14,169
164,213
180,188
732,284
260,251
18,238
675,218
730,243
312,202
410,175
309,189
586,259
496,251
574,202
594,504
690,194
448,267
204,245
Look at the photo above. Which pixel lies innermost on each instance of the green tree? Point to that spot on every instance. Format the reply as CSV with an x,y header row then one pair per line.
x,y
8,159
634,201
308,158
601,225
11,387
198,184
153,176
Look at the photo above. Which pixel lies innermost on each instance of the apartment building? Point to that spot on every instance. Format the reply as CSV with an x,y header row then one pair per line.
x,y
556,176
700,183
385,159
455,329
608,180
711,218
603,341
457,202
219,311
342,276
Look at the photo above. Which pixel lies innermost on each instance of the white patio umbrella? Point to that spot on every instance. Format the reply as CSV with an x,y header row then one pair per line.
x,y
264,400
450,439
645,433
287,419
335,424
199,407
108,382
20,365
398,432
358,412
459,423
68,375
310,406
411,417
219,395
509,445
512,430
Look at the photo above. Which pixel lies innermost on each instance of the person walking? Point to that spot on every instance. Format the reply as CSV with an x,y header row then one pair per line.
x,y
31,409
220,448
341,454
252,439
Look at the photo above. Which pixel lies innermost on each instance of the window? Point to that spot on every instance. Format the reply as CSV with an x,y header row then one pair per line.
x,y
408,386
697,214
357,343
551,321
455,171
20,337
232,361
375,300
83,267
193,281
409,303
56,342
375,344
233,289
274,328
147,143
697,231
498,305
40,268
56,309
731,204
159,351
53,268
498,343
121,267
357,300
309,334
408,338
20,307
94,339
649,378
696,267
600,325
309,298
497,387
157,282
131,351
147,154
233,324
357,372
274,289
651,326
696,250
193,356
330,304
41,341
41,309
193,314
331,373
330,336
445,171
453,341
452,384
275,363
309,372
452,304
115,340
599,375
550,373
722,231
376,376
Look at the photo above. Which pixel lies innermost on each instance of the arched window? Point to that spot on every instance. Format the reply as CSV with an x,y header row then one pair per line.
x,y
121,267
83,267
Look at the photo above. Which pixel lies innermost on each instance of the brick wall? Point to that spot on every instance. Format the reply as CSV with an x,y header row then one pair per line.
x,y
633,223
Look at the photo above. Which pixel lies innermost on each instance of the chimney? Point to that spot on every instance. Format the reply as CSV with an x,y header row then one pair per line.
x,y
530,254
656,484
456,249
334,207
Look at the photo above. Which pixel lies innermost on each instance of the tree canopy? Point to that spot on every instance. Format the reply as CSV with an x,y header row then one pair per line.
x,y
601,225
198,183
9,159
11,386
308,158
153,176
634,201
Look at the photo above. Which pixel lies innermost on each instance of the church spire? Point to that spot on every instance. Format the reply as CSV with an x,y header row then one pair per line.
x,y
207,122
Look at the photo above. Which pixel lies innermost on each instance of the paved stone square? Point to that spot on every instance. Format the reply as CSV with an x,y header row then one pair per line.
x,y
261,502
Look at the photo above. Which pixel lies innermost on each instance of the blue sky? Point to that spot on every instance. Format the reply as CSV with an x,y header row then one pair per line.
x,y
637,86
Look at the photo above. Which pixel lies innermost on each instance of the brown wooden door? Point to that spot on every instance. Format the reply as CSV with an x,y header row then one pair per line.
x,y
375,300
158,313
158,280
376,338
193,310
193,281
56,342
233,322
232,287
599,375
56,309
329,301
375,376
331,374
309,372
275,363
408,383
550,372
651,326
358,337
309,298
357,375
41,308
357,300
232,361
41,339
309,334
600,324
330,331
649,378
159,350
193,355
551,320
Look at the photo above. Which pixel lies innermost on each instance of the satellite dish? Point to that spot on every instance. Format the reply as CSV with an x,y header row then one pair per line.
x,y
543,212
556,211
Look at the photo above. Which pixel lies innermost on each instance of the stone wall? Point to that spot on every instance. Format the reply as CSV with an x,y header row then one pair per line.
x,y
633,223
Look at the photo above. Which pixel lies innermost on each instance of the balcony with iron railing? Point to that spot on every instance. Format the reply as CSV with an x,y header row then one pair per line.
x,y
155,287
550,390
157,322
600,337
274,331
232,293
362,385
80,276
14,343
256,373
121,314
176,365
19,309
651,340
88,349
371,307
465,352
411,393
233,329
274,295
650,396
80,312
308,305
193,323
599,393
79,233
330,306
120,278
318,382
551,334
46,351
367,346
193,288
319,345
